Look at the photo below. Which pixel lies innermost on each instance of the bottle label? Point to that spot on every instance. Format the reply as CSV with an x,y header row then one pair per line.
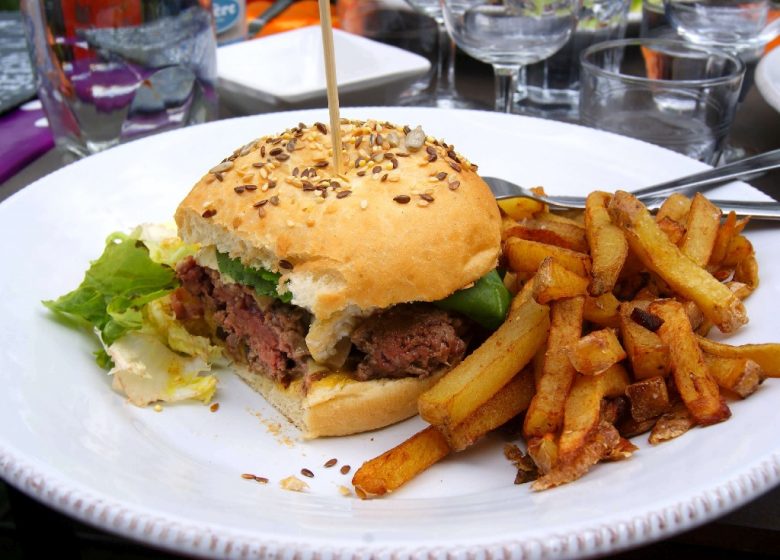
x,y
226,14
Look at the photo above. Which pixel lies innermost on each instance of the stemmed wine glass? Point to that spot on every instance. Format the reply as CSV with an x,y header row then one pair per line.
x,y
444,93
510,34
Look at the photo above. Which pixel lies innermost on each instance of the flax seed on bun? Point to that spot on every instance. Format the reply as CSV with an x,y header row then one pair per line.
x,y
406,220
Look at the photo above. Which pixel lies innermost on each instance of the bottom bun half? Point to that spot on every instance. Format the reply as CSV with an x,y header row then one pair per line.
x,y
338,405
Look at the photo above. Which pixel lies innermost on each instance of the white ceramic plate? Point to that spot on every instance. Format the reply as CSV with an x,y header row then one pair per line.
x,y
285,71
172,478
768,78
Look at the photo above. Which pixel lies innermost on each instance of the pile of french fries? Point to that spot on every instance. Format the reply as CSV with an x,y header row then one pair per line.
x,y
605,340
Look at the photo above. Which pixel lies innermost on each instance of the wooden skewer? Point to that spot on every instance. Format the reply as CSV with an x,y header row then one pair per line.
x,y
330,75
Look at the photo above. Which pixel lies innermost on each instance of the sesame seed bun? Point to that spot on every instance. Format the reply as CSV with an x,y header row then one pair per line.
x,y
406,220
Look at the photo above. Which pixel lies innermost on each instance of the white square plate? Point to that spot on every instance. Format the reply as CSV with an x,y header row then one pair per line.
x,y
286,71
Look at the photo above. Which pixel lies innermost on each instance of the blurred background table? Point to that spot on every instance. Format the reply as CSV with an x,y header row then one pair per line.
x,y
29,530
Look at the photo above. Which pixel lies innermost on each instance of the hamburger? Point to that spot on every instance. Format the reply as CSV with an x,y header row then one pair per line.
x,y
341,295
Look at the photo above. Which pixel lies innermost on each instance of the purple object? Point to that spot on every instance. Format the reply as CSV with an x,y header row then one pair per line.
x,y
21,141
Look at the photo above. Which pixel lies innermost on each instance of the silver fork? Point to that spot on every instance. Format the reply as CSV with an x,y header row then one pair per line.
x,y
654,195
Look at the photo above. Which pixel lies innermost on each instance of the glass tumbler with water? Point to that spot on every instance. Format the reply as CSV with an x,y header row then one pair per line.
x,y
664,91
553,85
109,71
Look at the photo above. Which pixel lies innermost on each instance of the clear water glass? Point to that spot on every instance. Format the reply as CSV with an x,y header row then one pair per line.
x,y
113,71
737,25
553,85
509,35
445,94
666,92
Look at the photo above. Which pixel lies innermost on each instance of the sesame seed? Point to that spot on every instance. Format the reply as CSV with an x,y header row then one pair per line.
x,y
384,178
345,469
361,173
423,203
321,164
295,172
258,164
454,185
271,183
214,407
283,157
432,157
330,462
250,187
290,223
261,479
441,175
239,189
321,127
261,212
209,213
274,200
287,265
426,197
262,151
455,166
376,169
343,194
260,203
307,473
402,199
218,176
402,154
224,166
291,146
248,476
363,204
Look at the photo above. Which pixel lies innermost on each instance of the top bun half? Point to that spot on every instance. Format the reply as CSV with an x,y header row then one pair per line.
x,y
402,222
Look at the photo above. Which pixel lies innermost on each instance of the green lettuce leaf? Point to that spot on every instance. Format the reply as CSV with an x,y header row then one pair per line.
x,y
115,288
486,302
263,281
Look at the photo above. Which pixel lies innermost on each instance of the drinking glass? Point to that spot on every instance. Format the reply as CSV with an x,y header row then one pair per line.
x,y
510,34
667,92
444,89
553,85
736,25
109,71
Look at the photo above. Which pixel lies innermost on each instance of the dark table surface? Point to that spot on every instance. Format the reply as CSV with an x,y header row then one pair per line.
x,y
753,531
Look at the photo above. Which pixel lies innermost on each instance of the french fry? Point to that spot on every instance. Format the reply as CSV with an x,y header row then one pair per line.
x,y
544,452
672,424
730,228
525,257
582,411
746,273
566,235
739,249
553,281
675,207
596,352
647,353
598,446
608,245
394,468
649,398
510,401
603,310
767,356
701,230
482,374
545,414
697,389
520,208
741,376
675,231
664,258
